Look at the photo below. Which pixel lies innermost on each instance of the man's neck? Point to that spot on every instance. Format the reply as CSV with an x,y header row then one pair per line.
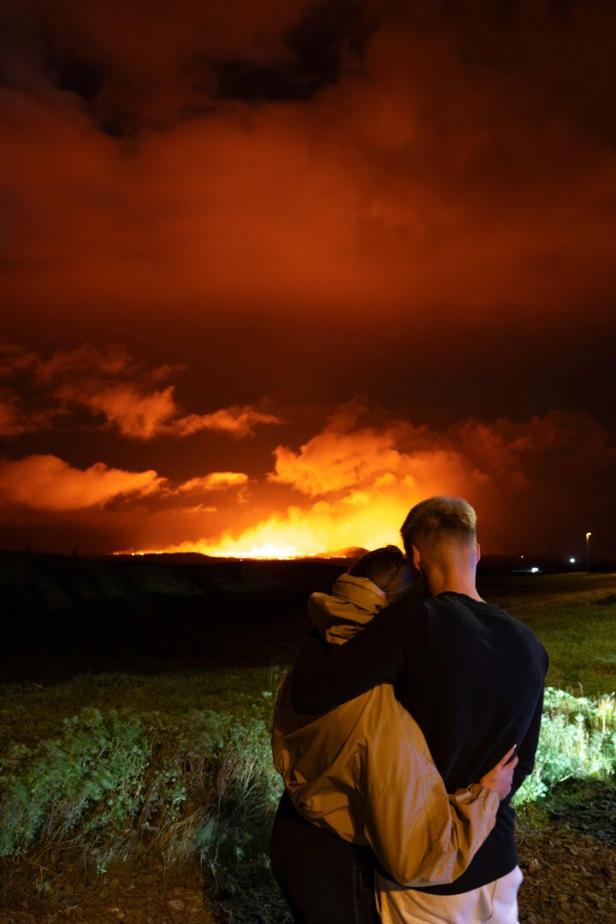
x,y
453,584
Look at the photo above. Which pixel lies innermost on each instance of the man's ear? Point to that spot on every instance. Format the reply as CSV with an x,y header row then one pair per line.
x,y
478,547
416,558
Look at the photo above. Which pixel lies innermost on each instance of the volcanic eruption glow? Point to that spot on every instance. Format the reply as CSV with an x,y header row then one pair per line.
x,y
325,529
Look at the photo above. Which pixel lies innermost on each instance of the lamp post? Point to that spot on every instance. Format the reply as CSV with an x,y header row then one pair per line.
x,y
588,535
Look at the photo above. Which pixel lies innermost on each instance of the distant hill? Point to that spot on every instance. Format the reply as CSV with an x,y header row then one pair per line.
x,y
39,583
61,613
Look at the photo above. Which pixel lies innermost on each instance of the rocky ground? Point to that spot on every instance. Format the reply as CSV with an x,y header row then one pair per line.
x,y
131,893
569,878
569,865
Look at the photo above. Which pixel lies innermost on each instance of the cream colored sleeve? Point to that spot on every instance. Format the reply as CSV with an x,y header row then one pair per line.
x,y
421,835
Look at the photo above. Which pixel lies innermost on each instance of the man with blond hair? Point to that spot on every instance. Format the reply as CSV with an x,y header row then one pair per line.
x,y
471,676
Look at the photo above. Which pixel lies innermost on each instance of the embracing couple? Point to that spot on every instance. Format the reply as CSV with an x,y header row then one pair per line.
x,y
409,720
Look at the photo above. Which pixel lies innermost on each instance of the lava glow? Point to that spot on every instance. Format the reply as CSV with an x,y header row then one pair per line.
x,y
267,552
322,530
275,548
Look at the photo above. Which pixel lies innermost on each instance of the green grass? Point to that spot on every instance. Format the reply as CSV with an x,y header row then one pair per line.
x,y
574,615
32,711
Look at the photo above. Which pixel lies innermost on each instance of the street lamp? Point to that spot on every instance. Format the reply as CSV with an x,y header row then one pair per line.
x,y
588,535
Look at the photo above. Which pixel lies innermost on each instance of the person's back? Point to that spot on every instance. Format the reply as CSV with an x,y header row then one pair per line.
x,y
475,688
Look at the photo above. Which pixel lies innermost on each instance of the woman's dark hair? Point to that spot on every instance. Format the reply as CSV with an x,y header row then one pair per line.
x,y
387,568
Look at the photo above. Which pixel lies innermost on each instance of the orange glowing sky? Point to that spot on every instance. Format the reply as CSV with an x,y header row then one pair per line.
x,y
273,271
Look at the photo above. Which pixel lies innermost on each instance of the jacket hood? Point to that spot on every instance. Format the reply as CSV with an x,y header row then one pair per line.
x,y
309,750
343,613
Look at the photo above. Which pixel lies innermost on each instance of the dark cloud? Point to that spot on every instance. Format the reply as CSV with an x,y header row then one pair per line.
x,y
144,65
117,391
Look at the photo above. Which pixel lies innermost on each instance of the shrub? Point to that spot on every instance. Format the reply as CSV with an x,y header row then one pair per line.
x,y
577,740
88,781
202,787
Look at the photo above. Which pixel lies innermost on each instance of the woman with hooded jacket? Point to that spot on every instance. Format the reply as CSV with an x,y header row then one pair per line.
x,y
365,814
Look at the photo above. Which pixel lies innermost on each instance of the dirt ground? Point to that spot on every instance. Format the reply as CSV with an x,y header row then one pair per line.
x,y
142,893
570,878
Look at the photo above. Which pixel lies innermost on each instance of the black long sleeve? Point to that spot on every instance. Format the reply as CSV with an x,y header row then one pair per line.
x,y
528,747
326,675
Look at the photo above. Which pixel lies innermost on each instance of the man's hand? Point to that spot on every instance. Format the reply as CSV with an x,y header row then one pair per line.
x,y
500,778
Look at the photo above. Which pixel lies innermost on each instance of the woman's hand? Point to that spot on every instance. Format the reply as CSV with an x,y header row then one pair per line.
x,y
500,777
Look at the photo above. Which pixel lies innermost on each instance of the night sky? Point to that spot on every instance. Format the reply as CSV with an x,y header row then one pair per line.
x,y
274,270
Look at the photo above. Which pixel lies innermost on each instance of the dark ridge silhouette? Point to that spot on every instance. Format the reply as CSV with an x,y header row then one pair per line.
x,y
61,613
65,613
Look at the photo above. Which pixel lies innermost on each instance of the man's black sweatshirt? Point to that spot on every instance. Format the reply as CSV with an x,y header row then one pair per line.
x,y
471,676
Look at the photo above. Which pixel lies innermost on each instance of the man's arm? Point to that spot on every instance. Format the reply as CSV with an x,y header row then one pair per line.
x,y
325,675
528,747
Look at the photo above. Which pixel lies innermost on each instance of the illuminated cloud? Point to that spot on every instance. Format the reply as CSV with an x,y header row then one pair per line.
x,y
135,414
337,459
48,483
214,481
237,421
367,478
146,415
350,485
15,359
429,170
298,203
152,66
85,360
17,417
109,383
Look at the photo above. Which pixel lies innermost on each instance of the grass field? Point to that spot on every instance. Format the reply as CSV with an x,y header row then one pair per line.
x,y
177,760
574,615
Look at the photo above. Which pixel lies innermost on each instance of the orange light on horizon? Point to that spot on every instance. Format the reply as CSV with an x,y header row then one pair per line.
x,y
324,530
268,551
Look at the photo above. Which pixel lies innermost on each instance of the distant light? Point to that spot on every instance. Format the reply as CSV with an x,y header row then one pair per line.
x,y
588,535
535,570
572,561
521,556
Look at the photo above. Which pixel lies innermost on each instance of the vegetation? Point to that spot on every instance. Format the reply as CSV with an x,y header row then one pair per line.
x,y
203,785
577,741
111,786
32,711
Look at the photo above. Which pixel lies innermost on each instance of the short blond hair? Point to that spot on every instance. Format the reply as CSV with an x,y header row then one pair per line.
x,y
438,519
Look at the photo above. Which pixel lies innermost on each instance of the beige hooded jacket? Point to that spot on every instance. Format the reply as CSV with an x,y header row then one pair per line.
x,y
364,770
